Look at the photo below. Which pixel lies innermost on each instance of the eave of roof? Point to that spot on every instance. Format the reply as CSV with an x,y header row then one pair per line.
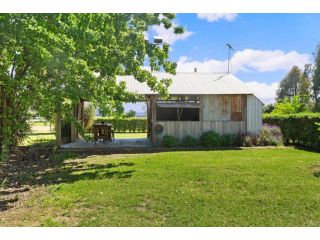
x,y
191,84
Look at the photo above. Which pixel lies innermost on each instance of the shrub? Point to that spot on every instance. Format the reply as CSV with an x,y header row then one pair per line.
x,y
189,141
22,130
298,129
270,136
268,108
125,124
170,141
248,141
131,114
228,140
210,139
88,116
290,106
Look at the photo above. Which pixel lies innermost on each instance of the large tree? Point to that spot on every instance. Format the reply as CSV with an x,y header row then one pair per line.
x,y
289,85
50,61
304,86
316,79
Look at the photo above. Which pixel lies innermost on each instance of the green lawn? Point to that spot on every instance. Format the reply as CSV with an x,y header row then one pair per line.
x,y
130,135
127,135
251,187
41,139
48,138
42,134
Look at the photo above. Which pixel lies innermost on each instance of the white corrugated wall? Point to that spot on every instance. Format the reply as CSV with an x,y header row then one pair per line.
x,y
254,114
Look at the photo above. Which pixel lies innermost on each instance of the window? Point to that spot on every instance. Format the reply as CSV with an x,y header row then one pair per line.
x,y
179,108
190,114
178,114
167,114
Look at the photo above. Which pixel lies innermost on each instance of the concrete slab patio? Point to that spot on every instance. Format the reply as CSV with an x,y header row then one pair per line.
x,y
117,143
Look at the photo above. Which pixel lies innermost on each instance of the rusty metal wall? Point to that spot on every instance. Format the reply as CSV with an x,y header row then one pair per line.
x,y
195,129
224,114
223,107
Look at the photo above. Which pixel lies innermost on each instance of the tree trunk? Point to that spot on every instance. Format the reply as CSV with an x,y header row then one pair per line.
x,y
3,109
73,133
1,118
317,104
58,130
154,138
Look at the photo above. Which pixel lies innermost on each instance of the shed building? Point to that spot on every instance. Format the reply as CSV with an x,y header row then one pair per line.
x,y
199,102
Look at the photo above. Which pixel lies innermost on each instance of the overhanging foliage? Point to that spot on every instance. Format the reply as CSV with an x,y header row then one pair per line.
x,y
51,61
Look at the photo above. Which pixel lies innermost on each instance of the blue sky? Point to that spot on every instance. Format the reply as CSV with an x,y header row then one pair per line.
x,y
265,46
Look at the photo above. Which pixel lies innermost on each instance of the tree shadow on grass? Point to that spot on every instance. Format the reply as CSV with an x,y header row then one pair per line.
x,y
35,165
145,150
27,168
70,174
316,174
308,149
5,204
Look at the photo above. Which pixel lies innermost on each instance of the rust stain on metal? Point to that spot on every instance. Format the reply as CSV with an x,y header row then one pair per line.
x,y
224,103
237,107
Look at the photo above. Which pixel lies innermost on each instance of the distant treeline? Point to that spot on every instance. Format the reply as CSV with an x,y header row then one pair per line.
x,y
121,125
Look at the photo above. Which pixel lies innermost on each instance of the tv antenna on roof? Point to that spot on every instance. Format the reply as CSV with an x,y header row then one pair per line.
x,y
157,40
229,51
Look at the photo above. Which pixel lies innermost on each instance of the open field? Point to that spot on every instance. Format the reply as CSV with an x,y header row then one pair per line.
x,y
250,187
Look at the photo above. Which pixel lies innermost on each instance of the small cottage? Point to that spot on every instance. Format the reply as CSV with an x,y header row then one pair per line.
x,y
199,102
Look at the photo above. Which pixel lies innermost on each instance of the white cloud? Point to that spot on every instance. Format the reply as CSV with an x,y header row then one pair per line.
x,y
146,35
267,61
169,36
187,65
248,60
212,17
266,93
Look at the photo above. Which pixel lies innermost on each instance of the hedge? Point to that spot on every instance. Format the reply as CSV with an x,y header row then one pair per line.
x,y
298,129
121,125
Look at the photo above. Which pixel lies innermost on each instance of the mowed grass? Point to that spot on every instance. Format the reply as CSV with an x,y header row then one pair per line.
x,y
41,139
42,134
251,187
130,135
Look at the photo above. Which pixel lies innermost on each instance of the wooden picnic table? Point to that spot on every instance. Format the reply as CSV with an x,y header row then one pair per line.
x,y
102,131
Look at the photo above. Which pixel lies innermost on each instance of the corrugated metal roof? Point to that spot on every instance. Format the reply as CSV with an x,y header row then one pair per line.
x,y
191,83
